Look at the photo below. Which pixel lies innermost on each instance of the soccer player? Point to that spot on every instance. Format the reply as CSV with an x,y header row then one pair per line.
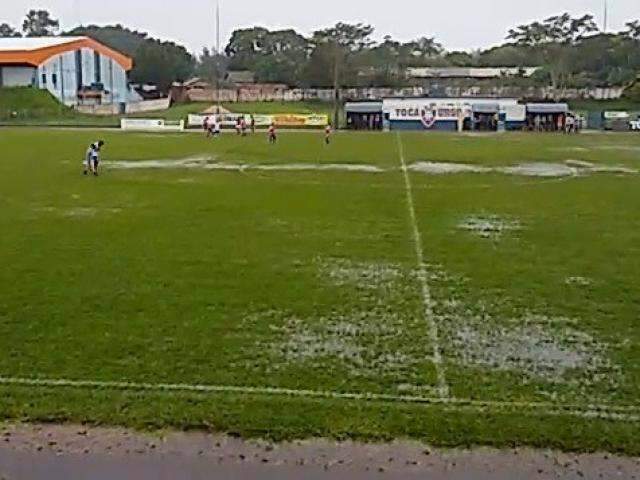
x,y
273,136
92,158
207,126
327,134
243,127
216,128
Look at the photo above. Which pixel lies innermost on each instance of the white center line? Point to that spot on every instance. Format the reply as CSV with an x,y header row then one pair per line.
x,y
427,300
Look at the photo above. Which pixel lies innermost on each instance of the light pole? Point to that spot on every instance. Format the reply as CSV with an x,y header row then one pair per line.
x,y
217,57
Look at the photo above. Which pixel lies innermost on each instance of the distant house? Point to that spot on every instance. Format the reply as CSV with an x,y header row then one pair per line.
x,y
241,76
76,70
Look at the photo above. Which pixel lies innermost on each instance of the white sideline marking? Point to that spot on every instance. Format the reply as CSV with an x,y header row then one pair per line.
x,y
422,275
603,412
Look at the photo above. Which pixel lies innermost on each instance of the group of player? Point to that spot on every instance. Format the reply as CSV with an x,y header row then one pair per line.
x,y
213,129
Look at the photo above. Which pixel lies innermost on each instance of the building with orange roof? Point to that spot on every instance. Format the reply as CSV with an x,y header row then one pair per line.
x,y
76,70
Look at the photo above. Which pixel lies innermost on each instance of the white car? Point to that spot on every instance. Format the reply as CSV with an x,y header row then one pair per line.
x,y
635,125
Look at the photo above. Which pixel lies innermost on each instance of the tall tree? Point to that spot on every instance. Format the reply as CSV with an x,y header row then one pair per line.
x,y
211,65
274,56
39,23
633,29
340,44
555,37
154,61
7,31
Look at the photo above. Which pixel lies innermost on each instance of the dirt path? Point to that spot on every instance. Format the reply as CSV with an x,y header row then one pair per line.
x,y
64,452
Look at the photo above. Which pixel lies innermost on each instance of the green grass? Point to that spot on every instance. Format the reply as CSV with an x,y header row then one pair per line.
x,y
28,106
32,107
308,281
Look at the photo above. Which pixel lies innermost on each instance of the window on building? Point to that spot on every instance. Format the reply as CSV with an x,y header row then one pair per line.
x,y
44,79
54,80
97,67
79,69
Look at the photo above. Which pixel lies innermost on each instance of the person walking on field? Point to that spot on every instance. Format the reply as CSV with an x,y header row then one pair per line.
x,y
207,126
327,134
273,136
92,158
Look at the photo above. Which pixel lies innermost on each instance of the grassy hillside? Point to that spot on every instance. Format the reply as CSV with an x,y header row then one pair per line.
x,y
29,106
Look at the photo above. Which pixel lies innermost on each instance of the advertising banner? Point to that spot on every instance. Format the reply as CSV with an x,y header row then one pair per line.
x,y
616,115
280,120
428,112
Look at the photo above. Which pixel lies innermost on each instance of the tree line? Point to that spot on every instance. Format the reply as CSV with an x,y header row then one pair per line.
x,y
571,52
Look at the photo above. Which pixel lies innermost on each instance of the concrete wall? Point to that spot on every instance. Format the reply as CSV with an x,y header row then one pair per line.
x,y
136,107
361,94
17,76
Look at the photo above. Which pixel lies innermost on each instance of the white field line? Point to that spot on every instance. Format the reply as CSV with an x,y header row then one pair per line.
x,y
604,412
422,275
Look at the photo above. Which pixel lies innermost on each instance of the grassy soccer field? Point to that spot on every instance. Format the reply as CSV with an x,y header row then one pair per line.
x,y
300,290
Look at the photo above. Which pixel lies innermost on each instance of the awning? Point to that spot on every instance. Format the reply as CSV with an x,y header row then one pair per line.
x,y
487,108
363,107
547,108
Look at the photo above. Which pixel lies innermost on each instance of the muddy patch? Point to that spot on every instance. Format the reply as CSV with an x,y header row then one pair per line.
x,y
489,226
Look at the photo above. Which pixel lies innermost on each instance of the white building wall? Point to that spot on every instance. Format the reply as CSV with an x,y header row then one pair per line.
x,y
66,87
17,76
62,69
88,67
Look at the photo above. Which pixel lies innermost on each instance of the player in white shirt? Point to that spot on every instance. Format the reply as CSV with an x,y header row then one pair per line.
x,y
92,158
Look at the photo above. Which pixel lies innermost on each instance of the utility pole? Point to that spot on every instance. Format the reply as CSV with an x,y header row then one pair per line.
x,y
606,16
217,57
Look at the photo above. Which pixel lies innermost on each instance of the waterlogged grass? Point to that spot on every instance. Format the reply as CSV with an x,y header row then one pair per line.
x,y
308,280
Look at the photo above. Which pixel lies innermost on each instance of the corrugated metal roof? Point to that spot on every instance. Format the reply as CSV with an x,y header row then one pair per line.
x,y
486,107
34,43
363,107
547,107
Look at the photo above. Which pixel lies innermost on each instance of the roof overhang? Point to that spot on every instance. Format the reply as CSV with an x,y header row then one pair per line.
x,y
37,56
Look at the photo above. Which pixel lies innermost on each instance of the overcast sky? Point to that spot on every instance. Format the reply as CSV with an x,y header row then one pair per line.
x,y
458,24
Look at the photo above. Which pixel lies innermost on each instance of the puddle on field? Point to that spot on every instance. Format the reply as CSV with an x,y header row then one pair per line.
x,y
211,163
78,212
571,168
383,336
489,226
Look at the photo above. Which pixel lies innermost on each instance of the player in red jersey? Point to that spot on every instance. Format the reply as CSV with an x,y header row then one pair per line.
x,y
327,134
273,136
